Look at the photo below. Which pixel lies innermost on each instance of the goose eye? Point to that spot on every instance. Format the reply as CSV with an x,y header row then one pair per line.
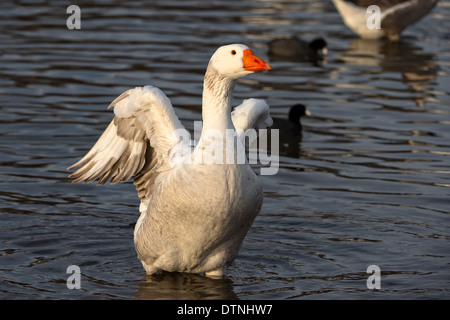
x,y
233,52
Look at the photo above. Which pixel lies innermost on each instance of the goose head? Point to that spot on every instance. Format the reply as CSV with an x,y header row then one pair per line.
x,y
236,60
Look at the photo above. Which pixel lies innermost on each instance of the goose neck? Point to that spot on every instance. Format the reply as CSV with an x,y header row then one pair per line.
x,y
217,95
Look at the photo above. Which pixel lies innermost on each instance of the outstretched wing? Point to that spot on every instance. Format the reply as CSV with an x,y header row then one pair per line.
x,y
404,13
248,118
136,143
251,114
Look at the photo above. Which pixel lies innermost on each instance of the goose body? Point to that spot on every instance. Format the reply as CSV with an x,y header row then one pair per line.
x,y
396,15
196,205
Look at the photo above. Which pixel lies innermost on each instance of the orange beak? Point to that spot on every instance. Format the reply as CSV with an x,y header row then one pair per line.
x,y
253,63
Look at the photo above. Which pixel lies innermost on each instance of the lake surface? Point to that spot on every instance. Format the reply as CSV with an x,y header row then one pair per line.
x,y
367,184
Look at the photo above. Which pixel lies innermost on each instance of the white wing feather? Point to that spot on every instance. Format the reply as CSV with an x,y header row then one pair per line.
x,y
136,143
251,114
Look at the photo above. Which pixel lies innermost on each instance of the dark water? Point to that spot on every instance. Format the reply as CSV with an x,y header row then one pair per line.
x,y
368,184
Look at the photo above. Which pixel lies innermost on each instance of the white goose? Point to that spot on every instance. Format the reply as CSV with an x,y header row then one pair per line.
x,y
194,215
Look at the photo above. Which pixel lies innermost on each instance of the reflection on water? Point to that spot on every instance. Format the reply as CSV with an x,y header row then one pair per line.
x,y
180,286
417,68
366,182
